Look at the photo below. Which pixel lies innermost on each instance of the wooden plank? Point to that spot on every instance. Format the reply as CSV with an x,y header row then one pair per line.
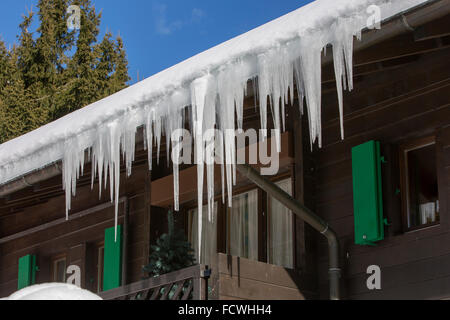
x,y
57,236
162,189
433,289
57,222
180,285
432,30
400,46
240,268
188,291
256,290
230,298
147,218
405,274
161,281
373,89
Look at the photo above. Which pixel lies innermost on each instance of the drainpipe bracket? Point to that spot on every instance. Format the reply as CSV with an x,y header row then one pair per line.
x,y
326,229
335,271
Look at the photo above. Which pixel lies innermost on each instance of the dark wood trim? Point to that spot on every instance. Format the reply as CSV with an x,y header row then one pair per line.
x,y
196,274
432,30
262,226
126,228
54,260
59,221
441,175
221,227
147,218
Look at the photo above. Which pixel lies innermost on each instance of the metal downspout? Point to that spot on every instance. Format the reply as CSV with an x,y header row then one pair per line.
x,y
306,215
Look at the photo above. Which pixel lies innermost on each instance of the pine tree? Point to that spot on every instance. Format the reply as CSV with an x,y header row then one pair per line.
x,y
54,71
171,253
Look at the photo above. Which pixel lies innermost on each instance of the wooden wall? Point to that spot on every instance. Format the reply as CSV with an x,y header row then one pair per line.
x,y
76,238
242,279
397,97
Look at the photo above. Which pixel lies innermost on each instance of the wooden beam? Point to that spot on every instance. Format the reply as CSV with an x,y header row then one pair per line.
x,y
147,217
435,29
59,221
162,189
397,47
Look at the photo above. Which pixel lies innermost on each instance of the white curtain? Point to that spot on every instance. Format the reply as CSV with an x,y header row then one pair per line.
x,y
209,235
243,226
280,225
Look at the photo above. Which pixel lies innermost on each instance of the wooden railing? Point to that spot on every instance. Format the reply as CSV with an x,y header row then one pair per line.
x,y
186,284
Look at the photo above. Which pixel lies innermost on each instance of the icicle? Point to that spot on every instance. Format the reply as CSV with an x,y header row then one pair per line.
x,y
129,141
311,73
217,102
158,133
343,64
114,167
227,122
300,85
276,78
176,150
149,136
198,94
73,164
209,140
175,124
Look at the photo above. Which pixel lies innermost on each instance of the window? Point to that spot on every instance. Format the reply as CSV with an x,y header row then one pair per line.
x,y
280,246
242,226
209,234
257,228
420,184
59,270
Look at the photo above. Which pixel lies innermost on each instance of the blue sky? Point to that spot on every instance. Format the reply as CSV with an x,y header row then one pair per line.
x,y
159,34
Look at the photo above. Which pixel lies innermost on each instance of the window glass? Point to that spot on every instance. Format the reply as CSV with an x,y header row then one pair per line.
x,y
280,248
59,270
209,235
242,226
422,186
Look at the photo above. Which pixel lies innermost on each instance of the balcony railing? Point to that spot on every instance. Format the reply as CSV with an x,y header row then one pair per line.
x,y
186,284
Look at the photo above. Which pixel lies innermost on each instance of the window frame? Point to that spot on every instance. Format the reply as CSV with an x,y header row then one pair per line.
x,y
54,269
100,253
263,206
404,179
293,218
249,189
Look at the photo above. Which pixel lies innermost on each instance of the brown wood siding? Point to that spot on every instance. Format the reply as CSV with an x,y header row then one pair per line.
x,y
77,237
408,100
242,279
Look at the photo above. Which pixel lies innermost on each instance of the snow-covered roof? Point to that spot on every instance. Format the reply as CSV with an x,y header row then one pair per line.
x,y
276,52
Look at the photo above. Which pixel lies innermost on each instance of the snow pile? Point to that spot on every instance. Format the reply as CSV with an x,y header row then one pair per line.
x,y
53,291
212,86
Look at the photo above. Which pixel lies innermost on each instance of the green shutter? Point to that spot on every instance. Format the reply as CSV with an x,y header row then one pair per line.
x,y
112,263
367,193
27,271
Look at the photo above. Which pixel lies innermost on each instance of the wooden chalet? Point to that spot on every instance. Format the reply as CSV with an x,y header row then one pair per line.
x,y
260,249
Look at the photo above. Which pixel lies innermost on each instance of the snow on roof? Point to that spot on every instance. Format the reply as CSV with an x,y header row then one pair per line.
x,y
15,155
277,52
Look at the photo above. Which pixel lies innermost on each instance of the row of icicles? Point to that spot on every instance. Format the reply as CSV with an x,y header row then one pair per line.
x,y
216,101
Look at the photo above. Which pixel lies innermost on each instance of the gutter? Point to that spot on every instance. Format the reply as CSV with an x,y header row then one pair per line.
x,y
306,215
401,23
398,24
